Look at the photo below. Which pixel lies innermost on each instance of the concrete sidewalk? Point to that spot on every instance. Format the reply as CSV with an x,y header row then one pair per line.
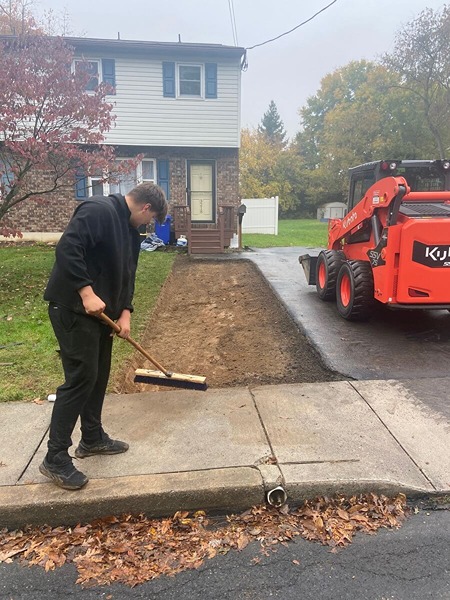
x,y
224,449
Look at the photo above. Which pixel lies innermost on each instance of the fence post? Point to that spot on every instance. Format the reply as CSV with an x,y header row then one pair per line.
x,y
276,215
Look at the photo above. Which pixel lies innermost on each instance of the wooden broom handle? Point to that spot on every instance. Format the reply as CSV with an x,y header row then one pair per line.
x,y
138,347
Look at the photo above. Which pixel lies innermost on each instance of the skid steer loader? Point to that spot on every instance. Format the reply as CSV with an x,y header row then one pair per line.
x,y
393,244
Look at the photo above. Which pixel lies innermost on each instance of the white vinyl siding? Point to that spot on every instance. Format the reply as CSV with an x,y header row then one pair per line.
x,y
146,118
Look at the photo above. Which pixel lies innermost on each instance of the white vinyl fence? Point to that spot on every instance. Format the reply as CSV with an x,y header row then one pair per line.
x,y
261,215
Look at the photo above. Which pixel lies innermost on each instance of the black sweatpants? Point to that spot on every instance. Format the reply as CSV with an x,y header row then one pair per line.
x,y
85,344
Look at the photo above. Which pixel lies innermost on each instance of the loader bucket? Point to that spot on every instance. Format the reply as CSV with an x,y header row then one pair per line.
x,y
308,263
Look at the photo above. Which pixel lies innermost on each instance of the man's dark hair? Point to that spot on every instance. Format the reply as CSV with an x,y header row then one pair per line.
x,y
150,193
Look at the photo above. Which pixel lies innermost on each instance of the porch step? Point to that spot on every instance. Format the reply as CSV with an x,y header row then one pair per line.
x,y
205,241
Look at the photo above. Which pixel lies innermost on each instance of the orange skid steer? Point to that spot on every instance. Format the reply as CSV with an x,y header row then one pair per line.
x,y
393,245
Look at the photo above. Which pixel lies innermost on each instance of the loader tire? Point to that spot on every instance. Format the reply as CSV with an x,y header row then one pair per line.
x,y
328,265
354,291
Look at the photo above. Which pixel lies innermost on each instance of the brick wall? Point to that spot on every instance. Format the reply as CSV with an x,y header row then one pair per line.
x,y
52,213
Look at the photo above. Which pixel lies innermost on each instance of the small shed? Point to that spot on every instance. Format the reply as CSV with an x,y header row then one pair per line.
x,y
331,210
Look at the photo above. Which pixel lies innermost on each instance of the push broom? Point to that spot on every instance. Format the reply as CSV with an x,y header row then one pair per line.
x,y
162,376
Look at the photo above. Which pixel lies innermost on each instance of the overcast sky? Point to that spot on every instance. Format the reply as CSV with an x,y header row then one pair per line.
x,y
288,70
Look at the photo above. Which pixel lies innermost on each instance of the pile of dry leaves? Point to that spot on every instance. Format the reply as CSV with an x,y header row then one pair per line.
x,y
135,549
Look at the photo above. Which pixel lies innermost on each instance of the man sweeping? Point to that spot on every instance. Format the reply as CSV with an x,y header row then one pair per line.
x,y
94,272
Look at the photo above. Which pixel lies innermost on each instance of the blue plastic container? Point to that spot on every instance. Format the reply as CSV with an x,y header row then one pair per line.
x,y
163,231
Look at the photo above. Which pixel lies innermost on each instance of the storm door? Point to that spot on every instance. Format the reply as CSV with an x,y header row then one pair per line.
x,y
201,190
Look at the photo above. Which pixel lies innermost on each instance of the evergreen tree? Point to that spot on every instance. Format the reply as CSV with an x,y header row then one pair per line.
x,y
272,127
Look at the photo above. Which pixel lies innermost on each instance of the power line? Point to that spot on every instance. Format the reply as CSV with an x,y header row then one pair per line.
x,y
233,22
294,28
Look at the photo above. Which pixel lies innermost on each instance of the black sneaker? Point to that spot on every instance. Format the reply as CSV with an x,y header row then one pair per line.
x,y
62,472
104,446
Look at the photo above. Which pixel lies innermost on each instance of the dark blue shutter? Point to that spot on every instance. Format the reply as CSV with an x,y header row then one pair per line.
x,y
6,177
163,176
210,80
80,186
109,72
168,79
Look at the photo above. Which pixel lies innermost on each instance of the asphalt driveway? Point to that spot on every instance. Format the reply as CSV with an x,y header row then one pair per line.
x,y
401,345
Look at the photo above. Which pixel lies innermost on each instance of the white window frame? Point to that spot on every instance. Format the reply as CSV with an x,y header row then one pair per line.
x,y
139,177
90,60
139,171
202,81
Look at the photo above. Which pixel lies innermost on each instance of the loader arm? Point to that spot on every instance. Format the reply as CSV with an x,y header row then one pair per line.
x,y
380,205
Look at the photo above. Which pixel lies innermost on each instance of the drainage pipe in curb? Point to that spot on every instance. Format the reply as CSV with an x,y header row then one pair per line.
x,y
277,496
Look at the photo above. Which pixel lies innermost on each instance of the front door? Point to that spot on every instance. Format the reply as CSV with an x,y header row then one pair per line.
x,y
201,190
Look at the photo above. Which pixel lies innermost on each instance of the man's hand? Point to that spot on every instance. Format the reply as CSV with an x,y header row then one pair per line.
x,y
124,322
93,305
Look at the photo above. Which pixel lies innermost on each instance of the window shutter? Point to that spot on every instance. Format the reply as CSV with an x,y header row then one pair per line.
x,y
109,72
80,186
168,79
163,176
210,80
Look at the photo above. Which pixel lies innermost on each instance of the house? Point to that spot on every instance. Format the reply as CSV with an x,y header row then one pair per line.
x,y
178,104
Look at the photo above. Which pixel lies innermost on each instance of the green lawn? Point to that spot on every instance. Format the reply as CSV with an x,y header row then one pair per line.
x,y
29,364
292,232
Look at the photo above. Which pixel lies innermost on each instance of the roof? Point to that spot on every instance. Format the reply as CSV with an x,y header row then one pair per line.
x,y
154,48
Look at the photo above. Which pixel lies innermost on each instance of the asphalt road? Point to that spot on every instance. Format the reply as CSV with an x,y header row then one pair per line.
x,y
412,563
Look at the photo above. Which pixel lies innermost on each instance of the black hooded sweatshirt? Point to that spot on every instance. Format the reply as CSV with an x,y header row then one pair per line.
x,y
99,248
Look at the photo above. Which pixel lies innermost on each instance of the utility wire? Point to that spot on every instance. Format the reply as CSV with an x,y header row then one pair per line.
x,y
294,28
233,22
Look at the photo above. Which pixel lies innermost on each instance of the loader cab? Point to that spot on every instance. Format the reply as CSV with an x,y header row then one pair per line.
x,y
421,175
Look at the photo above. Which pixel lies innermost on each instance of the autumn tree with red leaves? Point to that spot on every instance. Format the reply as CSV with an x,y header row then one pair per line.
x,y
48,122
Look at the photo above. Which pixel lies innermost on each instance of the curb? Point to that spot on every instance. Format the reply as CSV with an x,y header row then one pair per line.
x,y
217,491
234,489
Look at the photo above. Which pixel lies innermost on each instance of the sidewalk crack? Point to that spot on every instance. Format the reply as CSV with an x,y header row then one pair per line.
x,y
275,462
32,456
395,438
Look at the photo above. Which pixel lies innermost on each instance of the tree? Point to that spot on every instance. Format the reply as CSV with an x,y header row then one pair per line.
x,y
16,18
421,57
51,129
267,170
337,89
272,126
257,159
360,114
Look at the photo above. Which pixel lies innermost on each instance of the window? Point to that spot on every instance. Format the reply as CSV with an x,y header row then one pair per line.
x,y
361,183
6,178
145,172
103,70
189,80
92,68
122,185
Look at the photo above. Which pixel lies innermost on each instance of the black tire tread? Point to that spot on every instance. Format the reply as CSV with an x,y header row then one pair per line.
x,y
333,260
361,308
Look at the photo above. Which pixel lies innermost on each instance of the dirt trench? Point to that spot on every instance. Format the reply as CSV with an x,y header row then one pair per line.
x,y
221,319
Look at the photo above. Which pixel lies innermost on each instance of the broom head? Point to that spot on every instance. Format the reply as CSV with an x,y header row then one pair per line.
x,y
187,382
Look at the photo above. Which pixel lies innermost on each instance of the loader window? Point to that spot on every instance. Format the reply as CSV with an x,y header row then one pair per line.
x,y
423,179
359,186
